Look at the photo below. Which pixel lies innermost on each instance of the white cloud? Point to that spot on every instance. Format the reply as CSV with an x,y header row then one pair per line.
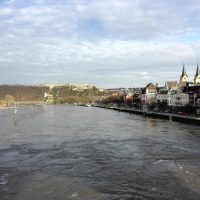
x,y
135,62
10,1
6,11
111,42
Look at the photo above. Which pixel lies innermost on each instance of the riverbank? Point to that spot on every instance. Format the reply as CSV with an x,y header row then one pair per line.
x,y
3,108
146,113
23,104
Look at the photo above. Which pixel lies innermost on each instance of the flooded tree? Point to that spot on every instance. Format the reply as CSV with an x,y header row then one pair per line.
x,y
9,100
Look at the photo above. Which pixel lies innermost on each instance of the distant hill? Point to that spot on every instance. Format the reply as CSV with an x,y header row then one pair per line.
x,y
71,93
76,94
23,93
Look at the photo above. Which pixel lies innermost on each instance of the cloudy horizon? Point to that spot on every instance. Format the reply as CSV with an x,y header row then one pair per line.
x,y
115,43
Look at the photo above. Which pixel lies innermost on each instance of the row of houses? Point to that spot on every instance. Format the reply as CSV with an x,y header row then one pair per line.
x,y
173,95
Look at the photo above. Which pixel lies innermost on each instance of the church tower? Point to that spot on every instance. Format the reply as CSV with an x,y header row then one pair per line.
x,y
197,76
184,76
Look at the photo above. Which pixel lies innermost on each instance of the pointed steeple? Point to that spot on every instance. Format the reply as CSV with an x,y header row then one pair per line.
x,y
184,76
197,76
184,71
197,71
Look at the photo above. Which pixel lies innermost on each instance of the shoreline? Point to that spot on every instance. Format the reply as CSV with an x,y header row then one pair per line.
x,y
159,115
22,103
152,114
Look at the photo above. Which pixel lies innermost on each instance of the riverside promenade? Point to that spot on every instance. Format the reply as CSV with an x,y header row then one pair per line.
x,y
161,115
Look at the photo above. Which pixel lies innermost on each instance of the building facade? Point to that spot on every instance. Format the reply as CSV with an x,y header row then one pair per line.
x,y
177,98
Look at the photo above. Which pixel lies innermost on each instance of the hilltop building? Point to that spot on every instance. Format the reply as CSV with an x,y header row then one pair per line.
x,y
52,85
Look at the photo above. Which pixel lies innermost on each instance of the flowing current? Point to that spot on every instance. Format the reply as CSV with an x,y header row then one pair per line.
x,y
69,152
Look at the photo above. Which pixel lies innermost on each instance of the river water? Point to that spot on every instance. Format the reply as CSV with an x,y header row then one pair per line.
x,y
70,152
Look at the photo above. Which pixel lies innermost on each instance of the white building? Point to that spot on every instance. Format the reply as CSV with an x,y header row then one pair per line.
x,y
177,98
161,97
149,94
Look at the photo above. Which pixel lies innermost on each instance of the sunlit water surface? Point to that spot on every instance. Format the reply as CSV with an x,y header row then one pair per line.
x,y
70,152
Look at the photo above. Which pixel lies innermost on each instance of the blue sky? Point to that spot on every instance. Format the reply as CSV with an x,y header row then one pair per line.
x,y
109,43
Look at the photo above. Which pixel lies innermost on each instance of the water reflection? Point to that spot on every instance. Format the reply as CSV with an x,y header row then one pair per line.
x,y
151,122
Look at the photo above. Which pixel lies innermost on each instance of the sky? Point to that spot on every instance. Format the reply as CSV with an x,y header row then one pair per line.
x,y
108,43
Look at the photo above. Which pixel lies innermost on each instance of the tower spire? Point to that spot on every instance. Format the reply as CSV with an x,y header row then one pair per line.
x,y
184,70
197,71
184,76
197,76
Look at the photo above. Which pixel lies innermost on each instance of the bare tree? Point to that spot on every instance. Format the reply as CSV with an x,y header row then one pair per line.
x,y
9,100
